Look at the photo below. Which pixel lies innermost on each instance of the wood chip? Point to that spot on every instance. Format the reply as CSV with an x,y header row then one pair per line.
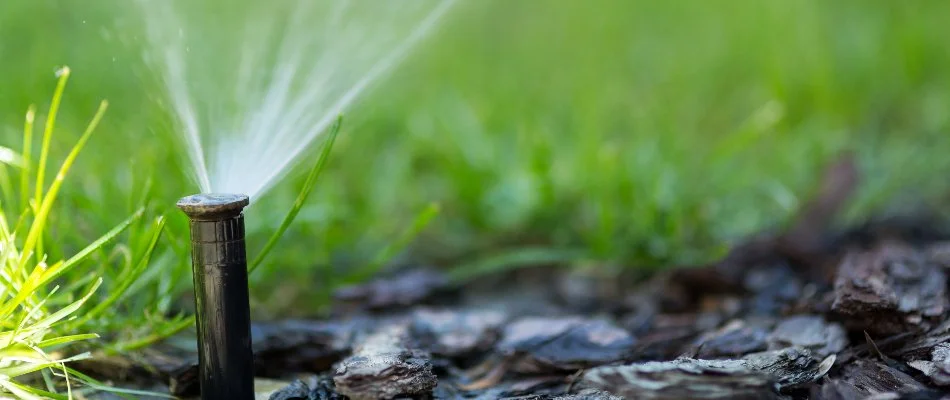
x,y
538,344
405,289
383,367
732,340
865,378
938,367
811,332
757,376
453,334
890,289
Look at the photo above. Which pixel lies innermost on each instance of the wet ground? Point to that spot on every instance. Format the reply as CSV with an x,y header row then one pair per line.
x,y
810,312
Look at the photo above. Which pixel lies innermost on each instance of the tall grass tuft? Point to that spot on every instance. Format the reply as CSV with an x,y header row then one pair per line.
x,y
42,323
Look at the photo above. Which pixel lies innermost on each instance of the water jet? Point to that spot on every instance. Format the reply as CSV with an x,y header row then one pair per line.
x,y
219,267
266,82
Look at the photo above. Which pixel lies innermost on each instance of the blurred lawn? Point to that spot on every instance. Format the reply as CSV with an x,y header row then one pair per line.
x,y
639,133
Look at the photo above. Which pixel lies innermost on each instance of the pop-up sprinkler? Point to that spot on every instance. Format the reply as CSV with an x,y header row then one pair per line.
x,y
219,265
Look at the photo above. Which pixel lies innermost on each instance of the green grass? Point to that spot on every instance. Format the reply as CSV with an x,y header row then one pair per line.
x,y
627,134
44,305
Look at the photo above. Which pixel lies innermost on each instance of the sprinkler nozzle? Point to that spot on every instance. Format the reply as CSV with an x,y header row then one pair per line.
x,y
219,267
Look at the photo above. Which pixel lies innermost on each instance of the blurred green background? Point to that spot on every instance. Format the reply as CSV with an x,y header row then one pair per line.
x,y
619,133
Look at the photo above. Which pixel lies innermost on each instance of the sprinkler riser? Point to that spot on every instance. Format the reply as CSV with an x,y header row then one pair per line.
x,y
219,268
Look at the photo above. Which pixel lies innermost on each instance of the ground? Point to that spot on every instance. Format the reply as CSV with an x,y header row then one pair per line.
x,y
811,312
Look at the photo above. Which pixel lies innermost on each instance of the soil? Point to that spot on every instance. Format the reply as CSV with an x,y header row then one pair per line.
x,y
810,312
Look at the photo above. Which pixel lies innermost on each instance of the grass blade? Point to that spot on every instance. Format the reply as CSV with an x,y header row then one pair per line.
x,y
25,392
94,246
170,329
40,276
36,229
27,156
48,132
44,149
64,312
6,186
66,339
97,385
23,292
302,197
120,290
33,364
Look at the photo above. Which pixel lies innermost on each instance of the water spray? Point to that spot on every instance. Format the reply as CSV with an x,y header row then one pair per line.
x,y
297,68
219,265
266,85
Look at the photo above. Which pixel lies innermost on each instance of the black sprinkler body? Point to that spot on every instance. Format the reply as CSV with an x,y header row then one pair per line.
x,y
219,266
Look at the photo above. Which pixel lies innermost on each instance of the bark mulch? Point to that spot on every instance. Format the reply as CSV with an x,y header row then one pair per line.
x,y
810,312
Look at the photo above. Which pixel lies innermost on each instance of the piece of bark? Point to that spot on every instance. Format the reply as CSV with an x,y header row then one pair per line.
x,y
323,388
383,367
812,332
455,334
875,377
405,289
791,367
865,378
920,345
732,340
302,346
545,387
838,390
537,384
889,290
670,336
683,379
316,388
773,288
756,376
938,367
589,394
538,344
297,390
501,395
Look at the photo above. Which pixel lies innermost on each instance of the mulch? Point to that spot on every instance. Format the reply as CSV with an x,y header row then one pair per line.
x,y
813,311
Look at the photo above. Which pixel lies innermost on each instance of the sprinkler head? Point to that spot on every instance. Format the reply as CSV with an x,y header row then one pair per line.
x,y
219,267
213,206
